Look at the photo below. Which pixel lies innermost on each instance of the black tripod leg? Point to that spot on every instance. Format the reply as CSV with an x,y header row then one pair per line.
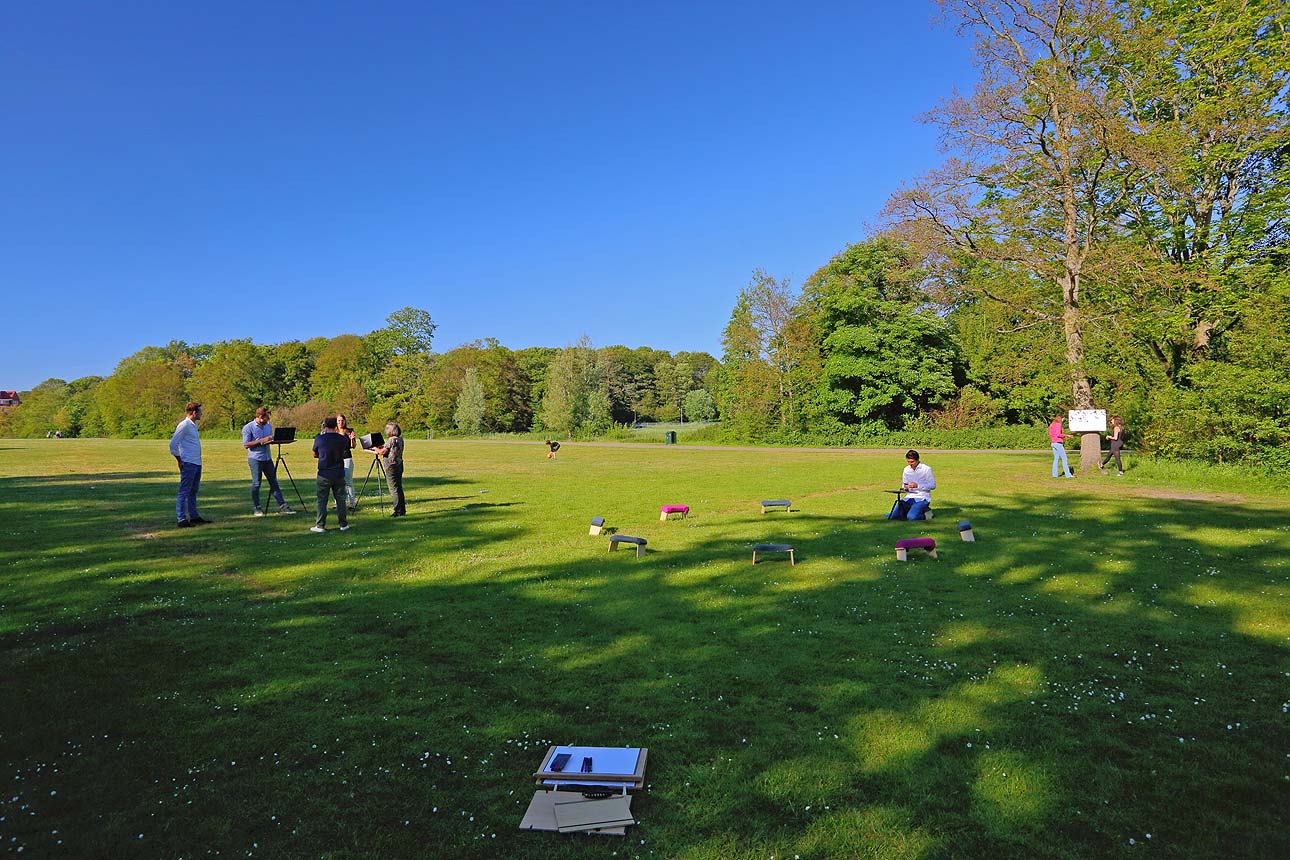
x,y
363,492
283,463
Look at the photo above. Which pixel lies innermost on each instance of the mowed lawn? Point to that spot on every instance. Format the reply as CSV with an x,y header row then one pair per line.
x,y
1104,673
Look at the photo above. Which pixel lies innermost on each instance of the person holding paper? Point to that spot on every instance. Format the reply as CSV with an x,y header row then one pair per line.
x,y
257,435
917,480
1058,438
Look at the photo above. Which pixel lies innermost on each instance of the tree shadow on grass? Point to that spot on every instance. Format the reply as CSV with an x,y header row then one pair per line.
x,y
1022,697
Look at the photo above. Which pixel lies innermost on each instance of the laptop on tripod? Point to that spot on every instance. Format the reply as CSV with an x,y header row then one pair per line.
x,y
370,441
284,435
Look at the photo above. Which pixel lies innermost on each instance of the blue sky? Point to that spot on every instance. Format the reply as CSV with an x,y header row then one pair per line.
x,y
526,171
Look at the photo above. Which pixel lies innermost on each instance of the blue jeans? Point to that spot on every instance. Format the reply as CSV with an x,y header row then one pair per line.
x,y
1059,453
268,469
910,509
190,478
917,509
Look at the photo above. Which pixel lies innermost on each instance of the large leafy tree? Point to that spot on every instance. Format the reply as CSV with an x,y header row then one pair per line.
x,y
38,413
345,359
884,356
407,331
469,415
1038,173
576,394
768,358
1204,87
145,394
232,382
673,380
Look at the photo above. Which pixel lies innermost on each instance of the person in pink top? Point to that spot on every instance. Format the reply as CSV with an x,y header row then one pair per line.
x,y
1059,449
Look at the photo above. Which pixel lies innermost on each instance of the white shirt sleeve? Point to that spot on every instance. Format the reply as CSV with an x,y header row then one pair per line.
x,y
176,438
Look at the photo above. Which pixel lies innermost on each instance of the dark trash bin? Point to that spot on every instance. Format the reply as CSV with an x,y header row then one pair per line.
x,y
669,437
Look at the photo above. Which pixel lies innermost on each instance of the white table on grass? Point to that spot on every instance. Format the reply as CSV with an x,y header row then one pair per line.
x,y
611,767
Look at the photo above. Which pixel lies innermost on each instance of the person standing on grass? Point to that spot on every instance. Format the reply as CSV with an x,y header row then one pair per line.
x,y
331,449
392,459
918,482
256,437
342,426
1058,438
552,446
186,447
1116,439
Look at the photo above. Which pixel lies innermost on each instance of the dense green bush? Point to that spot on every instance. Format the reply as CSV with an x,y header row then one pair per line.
x,y
922,435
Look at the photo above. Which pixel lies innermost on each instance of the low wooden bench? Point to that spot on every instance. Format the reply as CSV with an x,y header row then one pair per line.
x,y
683,510
965,531
615,540
597,525
904,546
774,547
768,504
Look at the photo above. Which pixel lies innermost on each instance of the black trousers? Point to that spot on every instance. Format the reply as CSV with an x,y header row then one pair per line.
x,y
331,487
1114,452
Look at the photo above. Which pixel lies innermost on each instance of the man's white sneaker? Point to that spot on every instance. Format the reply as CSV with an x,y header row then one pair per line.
x,y
285,509
258,513
317,529
344,528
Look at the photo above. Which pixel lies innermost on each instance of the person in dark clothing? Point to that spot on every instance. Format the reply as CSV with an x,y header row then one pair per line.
x,y
392,459
1116,439
331,449
552,447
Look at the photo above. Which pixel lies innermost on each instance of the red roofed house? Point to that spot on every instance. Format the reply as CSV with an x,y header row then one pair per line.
x,y
9,398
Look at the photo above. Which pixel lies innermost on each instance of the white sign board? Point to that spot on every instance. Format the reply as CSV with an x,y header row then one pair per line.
x,y
1086,420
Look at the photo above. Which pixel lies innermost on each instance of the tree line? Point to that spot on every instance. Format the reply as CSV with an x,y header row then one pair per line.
x,y
388,374
1110,230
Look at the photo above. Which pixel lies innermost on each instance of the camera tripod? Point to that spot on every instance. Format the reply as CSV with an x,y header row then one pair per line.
x,y
282,461
380,482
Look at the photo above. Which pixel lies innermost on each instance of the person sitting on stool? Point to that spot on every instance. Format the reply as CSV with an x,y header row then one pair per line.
x,y
918,482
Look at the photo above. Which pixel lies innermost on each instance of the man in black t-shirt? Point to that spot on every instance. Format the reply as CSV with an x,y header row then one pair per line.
x,y
331,449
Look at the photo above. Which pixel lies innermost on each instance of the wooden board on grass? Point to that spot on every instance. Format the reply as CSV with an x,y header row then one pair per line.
x,y
541,813
578,814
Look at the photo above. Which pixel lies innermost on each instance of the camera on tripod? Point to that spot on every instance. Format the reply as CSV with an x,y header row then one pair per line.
x,y
371,441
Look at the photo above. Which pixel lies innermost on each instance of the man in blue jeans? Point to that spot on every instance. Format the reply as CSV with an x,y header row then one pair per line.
x,y
186,446
917,480
257,435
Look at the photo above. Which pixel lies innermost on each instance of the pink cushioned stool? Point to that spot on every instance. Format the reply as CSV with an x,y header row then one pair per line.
x,y
903,547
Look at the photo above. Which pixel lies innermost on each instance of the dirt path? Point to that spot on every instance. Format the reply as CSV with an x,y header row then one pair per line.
x,y
683,447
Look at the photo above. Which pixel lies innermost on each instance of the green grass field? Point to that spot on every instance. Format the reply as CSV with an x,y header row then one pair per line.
x,y
1104,673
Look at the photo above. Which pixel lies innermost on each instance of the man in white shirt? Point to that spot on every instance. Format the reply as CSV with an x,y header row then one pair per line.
x,y
186,446
918,482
